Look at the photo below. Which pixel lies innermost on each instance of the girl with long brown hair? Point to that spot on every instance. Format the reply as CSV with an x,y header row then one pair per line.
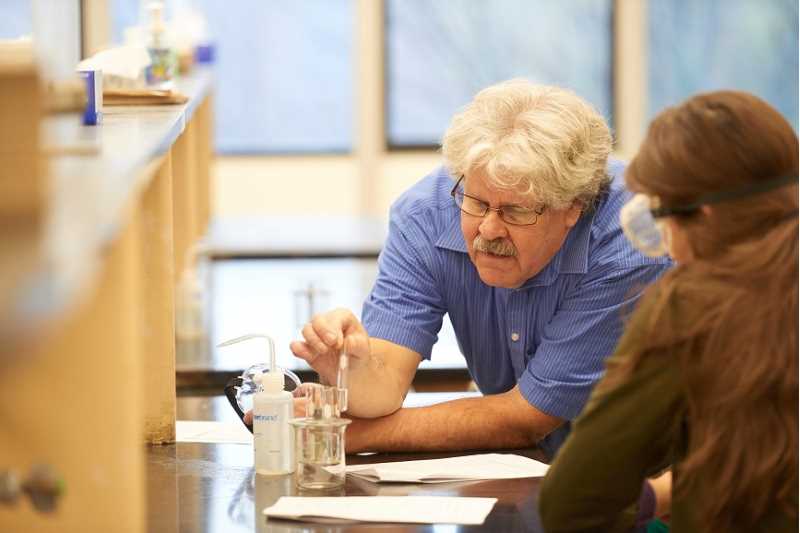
x,y
705,378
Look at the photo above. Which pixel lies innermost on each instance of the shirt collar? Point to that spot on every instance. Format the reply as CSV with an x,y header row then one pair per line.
x,y
452,238
572,258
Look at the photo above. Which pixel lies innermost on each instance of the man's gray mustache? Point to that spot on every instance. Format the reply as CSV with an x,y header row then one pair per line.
x,y
496,246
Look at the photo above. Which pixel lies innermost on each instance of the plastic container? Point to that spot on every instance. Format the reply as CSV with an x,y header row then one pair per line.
x,y
273,438
163,58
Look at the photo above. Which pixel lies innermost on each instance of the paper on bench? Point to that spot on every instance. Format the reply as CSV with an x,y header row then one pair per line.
x,y
467,467
391,509
213,432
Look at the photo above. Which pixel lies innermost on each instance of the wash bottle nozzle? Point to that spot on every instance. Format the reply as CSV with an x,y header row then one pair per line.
x,y
273,365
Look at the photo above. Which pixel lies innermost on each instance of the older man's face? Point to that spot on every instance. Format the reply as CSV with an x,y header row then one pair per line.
x,y
507,255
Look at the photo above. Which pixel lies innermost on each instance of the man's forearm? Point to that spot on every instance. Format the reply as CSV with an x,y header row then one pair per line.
x,y
378,384
490,422
374,391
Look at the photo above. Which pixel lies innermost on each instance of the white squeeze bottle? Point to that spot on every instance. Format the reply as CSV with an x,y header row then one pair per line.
x,y
273,437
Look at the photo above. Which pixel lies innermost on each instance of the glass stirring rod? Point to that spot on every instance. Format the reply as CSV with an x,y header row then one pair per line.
x,y
341,380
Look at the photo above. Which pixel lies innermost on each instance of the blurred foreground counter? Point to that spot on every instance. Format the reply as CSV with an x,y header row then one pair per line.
x,y
97,224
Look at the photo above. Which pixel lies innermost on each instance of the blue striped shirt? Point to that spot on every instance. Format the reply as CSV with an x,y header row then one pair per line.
x,y
550,336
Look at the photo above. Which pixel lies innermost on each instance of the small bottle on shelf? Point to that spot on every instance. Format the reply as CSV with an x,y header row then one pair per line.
x,y
163,61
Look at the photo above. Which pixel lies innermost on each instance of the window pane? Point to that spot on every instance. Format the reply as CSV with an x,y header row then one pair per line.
x,y
698,46
15,18
439,54
284,74
124,14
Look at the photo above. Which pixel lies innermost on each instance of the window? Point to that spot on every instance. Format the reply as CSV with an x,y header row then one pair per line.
x,y
439,54
284,72
15,19
284,75
748,45
124,14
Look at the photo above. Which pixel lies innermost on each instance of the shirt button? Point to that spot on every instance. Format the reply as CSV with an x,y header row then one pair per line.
x,y
515,337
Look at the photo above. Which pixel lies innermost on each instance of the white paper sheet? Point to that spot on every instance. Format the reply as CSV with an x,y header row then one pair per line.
x,y
390,509
467,467
213,432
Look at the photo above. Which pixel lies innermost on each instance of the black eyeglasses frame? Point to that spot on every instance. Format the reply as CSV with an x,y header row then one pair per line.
x,y
499,210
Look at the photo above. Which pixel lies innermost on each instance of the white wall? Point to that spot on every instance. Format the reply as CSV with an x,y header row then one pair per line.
x,y
322,185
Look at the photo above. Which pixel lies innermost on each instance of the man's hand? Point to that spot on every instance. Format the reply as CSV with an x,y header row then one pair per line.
x,y
379,372
326,336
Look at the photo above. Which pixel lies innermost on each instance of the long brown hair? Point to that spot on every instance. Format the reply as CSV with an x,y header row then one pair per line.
x,y
730,315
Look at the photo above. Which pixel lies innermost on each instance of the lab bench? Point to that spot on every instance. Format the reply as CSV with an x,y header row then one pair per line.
x,y
210,488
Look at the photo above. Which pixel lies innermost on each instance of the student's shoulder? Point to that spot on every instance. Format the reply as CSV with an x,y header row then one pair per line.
x,y
661,325
643,355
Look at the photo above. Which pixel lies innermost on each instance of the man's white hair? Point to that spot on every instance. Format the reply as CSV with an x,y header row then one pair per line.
x,y
545,142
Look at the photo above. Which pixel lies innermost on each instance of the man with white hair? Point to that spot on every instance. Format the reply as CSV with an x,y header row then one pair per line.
x,y
517,238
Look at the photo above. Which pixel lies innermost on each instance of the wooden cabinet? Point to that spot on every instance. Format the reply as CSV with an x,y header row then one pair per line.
x,y
88,353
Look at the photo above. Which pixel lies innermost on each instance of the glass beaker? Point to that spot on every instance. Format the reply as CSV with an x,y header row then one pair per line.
x,y
319,452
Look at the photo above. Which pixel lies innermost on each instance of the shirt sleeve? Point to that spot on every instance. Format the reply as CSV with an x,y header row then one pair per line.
x,y
625,435
584,331
405,305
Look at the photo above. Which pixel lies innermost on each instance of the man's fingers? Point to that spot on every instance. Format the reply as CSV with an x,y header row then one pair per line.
x,y
328,328
248,418
302,350
301,391
325,336
299,407
332,327
312,339
325,366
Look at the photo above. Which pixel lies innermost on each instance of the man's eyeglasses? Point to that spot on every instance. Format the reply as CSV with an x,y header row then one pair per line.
x,y
511,214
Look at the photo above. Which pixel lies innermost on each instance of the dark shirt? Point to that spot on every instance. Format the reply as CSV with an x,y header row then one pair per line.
x,y
627,433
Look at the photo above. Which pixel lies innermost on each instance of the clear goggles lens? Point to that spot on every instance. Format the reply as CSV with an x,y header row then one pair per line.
x,y
646,233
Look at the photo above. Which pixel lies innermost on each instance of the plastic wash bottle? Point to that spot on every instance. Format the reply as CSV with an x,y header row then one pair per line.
x,y
273,437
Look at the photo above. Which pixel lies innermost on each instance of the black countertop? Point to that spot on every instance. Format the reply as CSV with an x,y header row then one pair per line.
x,y
212,488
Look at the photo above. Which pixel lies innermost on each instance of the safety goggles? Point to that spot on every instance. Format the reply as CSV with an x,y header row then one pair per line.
x,y
643,224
